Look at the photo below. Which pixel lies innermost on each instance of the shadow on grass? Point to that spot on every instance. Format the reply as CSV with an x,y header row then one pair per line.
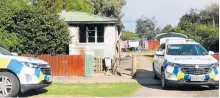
x,y
145,79
33,93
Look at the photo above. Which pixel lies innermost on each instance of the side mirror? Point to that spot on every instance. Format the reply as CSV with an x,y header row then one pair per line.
x,y
211,53
14,54
160,53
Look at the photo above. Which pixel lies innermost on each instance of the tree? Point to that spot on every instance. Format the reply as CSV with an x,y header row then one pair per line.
x,y
8,41
56,6
8,8
146,28
202,26
108,8
127,35
210,15
208,35
168,29
38,30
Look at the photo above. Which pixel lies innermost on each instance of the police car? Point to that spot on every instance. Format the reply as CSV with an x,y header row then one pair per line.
x,y
20,74
180,61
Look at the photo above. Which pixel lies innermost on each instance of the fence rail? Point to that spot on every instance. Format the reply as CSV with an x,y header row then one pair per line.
x,y
63,65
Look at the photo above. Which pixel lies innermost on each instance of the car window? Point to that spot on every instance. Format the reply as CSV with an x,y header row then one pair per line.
x,y
162,47
186,49
4,52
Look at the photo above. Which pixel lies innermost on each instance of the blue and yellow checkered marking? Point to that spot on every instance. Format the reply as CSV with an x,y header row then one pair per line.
x,y
16,67
4,62
40,75
165,64
180,75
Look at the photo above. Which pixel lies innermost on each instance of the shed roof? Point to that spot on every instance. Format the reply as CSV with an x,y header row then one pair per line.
x,y
82,17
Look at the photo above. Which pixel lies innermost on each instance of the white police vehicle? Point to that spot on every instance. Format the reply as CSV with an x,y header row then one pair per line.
x,y
20,74
180,61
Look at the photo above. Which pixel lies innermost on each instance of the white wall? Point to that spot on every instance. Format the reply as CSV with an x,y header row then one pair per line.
x,y
110,37
74,31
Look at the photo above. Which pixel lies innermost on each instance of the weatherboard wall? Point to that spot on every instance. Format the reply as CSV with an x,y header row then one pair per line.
x,y
105,49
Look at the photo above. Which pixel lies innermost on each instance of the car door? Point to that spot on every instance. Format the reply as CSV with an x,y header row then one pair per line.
x,y
161,58
157,59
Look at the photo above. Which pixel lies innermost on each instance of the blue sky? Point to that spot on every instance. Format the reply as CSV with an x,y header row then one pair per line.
x,y
165,11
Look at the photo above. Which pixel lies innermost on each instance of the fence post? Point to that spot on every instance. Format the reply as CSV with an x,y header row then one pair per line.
x,y
133,64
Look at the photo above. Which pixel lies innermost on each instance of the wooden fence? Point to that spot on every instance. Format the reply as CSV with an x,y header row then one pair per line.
x,y
63,65
153,45
216,56
98,64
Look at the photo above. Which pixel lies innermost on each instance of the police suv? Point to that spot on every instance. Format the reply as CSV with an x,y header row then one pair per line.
x,y
20,74
180,61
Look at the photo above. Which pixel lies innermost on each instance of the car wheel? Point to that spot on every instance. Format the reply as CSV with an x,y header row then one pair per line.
x,y
9,84
154,73
163,81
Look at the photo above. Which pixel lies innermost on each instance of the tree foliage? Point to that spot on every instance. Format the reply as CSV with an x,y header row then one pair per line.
x,y
127,35
167,29
210,15
202,26
146,28
56,6
36,30
108,8
8,41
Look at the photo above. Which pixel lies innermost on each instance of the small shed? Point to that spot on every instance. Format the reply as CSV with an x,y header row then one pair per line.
x,y
92,33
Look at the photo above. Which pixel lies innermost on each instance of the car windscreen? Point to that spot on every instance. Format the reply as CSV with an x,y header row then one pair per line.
x,y
186,49
5,52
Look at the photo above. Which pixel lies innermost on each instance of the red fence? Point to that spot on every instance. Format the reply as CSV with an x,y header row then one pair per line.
x,y
153,44
216,56
63,65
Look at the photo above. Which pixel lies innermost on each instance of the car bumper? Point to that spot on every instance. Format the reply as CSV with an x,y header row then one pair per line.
x,y
182,82
26,87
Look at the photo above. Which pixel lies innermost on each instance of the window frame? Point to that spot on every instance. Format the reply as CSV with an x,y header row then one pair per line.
x,y
96,34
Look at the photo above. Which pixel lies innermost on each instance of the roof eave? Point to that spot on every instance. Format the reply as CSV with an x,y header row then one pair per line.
x,y
92,22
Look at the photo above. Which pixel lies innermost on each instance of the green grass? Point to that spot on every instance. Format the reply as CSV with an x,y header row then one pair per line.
x,y
98,90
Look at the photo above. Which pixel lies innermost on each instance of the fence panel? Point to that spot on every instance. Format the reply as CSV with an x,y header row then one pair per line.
x,y
216,56
63,65
88,65
153,44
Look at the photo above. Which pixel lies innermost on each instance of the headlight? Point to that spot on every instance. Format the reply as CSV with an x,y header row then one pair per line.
x,y
215,65
173,64
29,65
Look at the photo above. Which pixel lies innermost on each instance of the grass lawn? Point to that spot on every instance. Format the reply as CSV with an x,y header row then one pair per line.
x,y
98,90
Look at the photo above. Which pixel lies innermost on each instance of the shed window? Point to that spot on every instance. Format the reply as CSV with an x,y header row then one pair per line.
x,y
91,34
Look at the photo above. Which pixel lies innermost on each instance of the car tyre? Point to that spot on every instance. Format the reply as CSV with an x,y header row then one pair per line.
x,y
163,81
154,73
10,81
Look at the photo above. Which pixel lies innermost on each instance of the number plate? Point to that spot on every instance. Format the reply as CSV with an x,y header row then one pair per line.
x,y
197,78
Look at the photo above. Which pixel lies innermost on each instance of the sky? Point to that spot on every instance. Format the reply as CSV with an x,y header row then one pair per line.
x,y
164,11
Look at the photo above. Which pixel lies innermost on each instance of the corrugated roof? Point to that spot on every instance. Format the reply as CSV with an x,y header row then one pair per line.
x,y
76,16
